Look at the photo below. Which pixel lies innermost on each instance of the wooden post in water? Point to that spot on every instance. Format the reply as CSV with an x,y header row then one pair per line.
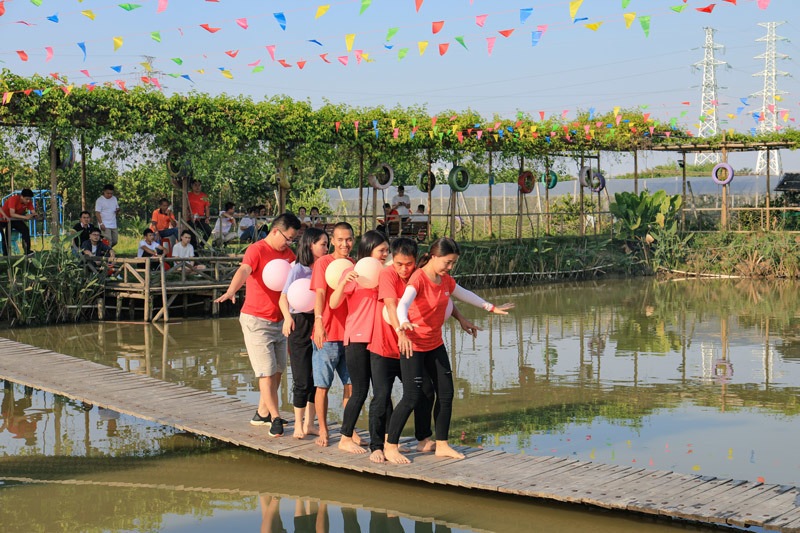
x,y
582,222
430,197
724,187
491,232
636,171
519,201
54,230
360,191
148,302
768,192
83,173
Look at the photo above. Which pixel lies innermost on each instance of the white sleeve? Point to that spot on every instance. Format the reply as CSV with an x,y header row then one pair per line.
x,y
471,298
404,303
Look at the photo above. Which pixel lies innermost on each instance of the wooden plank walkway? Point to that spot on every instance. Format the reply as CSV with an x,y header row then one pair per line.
x,y
654,492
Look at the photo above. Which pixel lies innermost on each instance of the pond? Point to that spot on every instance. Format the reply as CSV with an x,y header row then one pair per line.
x,y
690,376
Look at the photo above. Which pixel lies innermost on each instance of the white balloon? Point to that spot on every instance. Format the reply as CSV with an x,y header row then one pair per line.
x,y
275,273
368,270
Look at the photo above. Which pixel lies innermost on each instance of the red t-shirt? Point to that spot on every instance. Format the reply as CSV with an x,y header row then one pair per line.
x,y
259,300
14,202
332,319
384,338
427,310
361,306
198,203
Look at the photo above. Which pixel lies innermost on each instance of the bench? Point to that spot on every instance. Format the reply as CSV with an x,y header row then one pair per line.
x,y
412,230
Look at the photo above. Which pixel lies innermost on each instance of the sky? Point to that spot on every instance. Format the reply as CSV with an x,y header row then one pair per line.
x,y
571,67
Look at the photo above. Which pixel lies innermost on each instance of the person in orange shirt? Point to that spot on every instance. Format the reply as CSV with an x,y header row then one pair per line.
x,y
421,313
14,216
200,207
163,221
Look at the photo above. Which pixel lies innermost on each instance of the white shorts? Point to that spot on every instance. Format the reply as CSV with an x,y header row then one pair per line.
x,y
266,345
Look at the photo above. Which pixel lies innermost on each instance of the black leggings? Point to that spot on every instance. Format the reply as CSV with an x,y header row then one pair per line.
x,y
299,343
384,371
19,226
417,371
357,358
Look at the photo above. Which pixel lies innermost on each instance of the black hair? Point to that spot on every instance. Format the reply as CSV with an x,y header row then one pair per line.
x,y
161,201
301,207
400,187
193,181
387,206
344,225
313,208
286,221
84,213
369,241
94,229
108,187
310,236
421,207
148,230
440,247
229,205
252,209
405,246
186,232
27,193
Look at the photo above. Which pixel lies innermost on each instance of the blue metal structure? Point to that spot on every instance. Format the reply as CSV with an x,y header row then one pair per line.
x,y
41,197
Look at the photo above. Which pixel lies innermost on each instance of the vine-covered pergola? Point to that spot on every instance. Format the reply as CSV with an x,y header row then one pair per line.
x,y
146,121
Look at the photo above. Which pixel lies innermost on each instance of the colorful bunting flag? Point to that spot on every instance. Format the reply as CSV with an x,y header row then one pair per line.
x,y
594,25
364,5
88,13
391,33
2,8
130,7
227,74
232,53
763,4
402,53
86,72
418,4
573,8
156,36
281,18
22,55
524,14
480,20
625,3
178,60
53,18
348,39
37,3
315,41
645,22
678,9
243,23
271,50
343,60
162,6
301,64
506,33
461,41
708,9
147,67
324,57
437,26
209,28
117,43
443,48
535,36
490,44
422,46
321,10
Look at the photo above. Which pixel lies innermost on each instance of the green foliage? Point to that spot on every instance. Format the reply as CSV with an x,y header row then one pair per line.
x,y
309,198
638,215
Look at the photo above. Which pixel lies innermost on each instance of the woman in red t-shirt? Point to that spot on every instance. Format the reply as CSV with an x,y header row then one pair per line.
x,y
361,314
421,313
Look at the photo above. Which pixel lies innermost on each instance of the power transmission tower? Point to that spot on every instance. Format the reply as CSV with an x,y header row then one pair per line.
x,y
708,105
769,109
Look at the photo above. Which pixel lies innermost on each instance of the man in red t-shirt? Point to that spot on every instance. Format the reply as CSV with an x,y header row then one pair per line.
x,y
328,335
261,317
199,207
14,216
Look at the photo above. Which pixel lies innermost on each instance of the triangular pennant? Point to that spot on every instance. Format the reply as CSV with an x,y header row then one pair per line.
x,y
49,50
162,6
443,48
209,28
348,39
535,37
506,33
156,36
402,53
645,22
391,33
227,74
117,43
343,60
178,60
418,4
480,20
625,3
490,44
437,26
461,42
324,58
321,10
22,55
708,9
573,8
242,22
301,64
678,9
594,25
629,18
524,14
85,72
53,18
364,5
147,67
271,50
130,7
257,69
422,46
88,13
232,53
281,18
284,63
118,68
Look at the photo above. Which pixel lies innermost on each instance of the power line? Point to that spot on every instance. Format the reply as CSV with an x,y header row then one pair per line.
x,y
708,98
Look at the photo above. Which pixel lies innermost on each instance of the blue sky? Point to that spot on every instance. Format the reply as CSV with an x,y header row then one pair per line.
x,y
571,67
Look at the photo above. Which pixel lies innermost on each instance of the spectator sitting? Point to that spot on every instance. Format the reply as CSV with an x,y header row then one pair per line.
x,y
315,219
401,202
301,214
391,216
247,226
184,249
420,215
106,208
149,247
224,228
199,205
14,216
83,227
163,222
94,247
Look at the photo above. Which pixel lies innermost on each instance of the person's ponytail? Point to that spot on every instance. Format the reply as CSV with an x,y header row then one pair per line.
x,y
424,260
440,247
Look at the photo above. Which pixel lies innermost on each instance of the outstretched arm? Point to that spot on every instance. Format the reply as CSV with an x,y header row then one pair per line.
x,y
473,299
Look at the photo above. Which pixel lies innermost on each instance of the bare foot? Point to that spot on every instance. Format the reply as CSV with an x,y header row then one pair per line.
x,y
377,457
348,444
323,439
426,445
393,455
358,440
444,450
299,433
311,430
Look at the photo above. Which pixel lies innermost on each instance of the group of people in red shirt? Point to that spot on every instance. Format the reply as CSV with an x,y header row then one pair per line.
x,y
363,335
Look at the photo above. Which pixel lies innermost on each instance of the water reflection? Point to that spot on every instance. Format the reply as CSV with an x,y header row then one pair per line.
x,y
695,376
178,482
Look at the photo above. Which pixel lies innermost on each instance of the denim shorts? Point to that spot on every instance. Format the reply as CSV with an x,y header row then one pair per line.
x,y
327,360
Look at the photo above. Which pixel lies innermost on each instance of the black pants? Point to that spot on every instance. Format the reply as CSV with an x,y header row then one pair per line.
x,y
19,226
357,358
299,343
201,227
417,371
384,371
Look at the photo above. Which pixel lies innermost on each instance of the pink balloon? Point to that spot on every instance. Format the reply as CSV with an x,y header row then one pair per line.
x,y
300,295
368,270
275,273
335,270
449,311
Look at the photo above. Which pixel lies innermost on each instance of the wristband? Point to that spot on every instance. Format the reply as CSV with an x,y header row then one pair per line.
x,y
318,317
397,330
491,308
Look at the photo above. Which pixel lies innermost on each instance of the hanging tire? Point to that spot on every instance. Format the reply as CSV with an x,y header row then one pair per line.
x,y
381,177
585,176
715,174
426,182
458,179
526,182
553,179
598,182
178,164
65,154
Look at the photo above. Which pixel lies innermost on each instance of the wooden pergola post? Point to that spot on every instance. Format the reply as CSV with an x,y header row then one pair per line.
x,y
636,171
582,223
430,195
768,193
724,187
54,230
491,232
83,173
683,202
360,191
